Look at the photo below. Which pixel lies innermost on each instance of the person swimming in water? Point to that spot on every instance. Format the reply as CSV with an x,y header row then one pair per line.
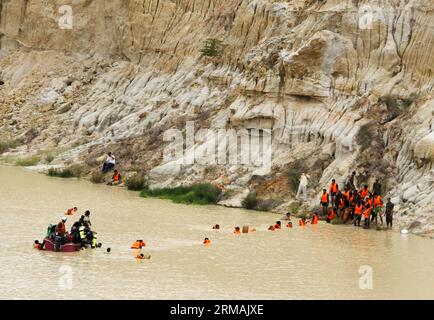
x,y
138,244
141,256
206,241
216,227
237,230
37,245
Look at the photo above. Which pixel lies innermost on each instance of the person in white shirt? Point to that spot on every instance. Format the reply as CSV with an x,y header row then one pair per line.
x,y
109,163
302,187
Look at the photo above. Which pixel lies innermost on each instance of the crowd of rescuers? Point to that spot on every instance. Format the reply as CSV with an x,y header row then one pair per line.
x,y
356,204
346,204
80,233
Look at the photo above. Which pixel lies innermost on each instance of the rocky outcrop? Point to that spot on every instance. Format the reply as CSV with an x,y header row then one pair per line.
x,y
339,85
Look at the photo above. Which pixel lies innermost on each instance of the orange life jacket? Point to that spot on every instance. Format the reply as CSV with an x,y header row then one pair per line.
x,y
37,246
358,210
207,242
331,215
325,197
363,193
117,177
368,203
334,187
138,245
289,224
301,223
276,226
378,202
237,231
314,219
367,212
139,257
341,203
346,194
70,212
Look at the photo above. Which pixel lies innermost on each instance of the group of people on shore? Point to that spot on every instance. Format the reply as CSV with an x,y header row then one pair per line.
x,y
352,203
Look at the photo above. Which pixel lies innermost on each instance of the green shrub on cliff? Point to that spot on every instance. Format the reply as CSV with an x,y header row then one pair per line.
x,y
97,177
193,194
212,48
250,202
135,182
28,162
6,145
73,171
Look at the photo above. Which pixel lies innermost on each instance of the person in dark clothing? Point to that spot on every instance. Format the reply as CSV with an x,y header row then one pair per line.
x,y
376,188
351,181
389,213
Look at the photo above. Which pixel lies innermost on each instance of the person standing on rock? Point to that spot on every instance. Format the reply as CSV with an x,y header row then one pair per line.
x,y
376,188
324,202
351,181
302,187
389,213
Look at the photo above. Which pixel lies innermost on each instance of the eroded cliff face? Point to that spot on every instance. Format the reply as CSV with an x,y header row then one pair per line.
x,y
341,86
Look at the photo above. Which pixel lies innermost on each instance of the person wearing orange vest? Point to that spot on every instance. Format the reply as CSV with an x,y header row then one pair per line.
x,y
367,211
324,201
206,241
138,244
378,207
314,218
237,230
346,193
364,192
141,256
334,188
116,178
358,209
278,225
71,211
289,224
331,215
302,222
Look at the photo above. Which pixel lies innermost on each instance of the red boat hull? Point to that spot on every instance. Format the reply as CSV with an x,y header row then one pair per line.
x,y
67,247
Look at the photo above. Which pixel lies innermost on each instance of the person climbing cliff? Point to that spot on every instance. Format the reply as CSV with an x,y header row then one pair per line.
x,y
302,187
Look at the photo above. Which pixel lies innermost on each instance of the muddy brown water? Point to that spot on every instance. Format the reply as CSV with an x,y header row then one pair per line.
x,y
315,262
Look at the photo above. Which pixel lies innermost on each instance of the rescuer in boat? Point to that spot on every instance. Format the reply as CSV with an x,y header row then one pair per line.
x,y
60,232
